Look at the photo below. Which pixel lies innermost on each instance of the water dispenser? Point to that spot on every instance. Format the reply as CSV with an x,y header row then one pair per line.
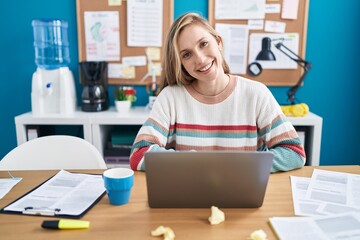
x,y
53,87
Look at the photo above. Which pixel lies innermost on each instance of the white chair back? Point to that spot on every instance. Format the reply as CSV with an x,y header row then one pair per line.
x,y
53,153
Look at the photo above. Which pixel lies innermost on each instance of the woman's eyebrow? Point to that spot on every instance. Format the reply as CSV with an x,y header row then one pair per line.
x,y
197,42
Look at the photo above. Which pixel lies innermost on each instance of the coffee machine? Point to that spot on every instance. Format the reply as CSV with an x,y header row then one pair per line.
x,y
93,77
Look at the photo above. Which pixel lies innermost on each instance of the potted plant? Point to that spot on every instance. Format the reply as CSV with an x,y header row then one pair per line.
x,y
124,96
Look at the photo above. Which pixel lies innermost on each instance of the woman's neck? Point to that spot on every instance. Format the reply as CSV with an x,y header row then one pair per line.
x,y
211,88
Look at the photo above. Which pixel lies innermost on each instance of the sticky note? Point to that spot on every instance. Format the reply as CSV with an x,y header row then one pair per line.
x,y
154,53
114,2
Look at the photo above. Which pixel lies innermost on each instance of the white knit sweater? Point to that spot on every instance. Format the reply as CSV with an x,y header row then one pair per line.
x,y
244,116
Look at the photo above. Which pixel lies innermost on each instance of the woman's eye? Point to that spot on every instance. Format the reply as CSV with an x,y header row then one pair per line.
x,y
186,55
204,44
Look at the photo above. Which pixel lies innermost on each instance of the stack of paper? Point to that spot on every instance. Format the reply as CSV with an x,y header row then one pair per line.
x,y
331,202
326,193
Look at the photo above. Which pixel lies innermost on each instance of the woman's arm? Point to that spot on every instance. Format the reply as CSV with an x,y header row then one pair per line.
x,y
154,135
279,135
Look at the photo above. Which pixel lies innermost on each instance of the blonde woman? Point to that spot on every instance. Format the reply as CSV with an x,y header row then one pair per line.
x,y
202,107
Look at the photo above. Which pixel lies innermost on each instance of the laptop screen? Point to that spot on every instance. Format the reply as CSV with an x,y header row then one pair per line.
x,y
203,179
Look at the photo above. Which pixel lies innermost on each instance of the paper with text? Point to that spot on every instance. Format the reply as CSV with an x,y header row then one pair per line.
x,y
275,26
303,206
343,226
134,60
335,187
70,193
239,9
235,39
144,23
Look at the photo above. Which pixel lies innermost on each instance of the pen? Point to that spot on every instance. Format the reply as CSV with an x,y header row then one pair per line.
x,y
43,211
65,224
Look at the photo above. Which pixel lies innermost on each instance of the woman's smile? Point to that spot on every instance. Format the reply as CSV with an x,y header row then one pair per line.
x,y
206,68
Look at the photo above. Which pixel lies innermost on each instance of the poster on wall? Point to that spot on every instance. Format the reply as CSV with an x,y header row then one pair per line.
x,y
102,35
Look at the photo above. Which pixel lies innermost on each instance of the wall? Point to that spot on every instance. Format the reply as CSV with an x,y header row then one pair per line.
x,y
331,87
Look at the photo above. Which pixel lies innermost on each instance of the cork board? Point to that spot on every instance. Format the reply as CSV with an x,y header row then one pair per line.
x,y
120,7
275,77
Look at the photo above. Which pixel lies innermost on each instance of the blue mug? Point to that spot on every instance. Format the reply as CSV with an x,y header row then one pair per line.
x,y
118,183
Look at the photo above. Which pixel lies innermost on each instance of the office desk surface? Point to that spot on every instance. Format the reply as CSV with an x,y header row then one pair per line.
x,y
136,220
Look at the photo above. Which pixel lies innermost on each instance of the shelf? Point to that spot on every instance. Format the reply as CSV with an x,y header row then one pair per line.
x,y
97,127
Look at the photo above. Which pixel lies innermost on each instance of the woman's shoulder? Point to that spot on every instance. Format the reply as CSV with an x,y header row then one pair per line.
x,y
246,84
172,90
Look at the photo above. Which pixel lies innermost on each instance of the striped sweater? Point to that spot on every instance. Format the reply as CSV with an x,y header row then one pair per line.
x,y
244,116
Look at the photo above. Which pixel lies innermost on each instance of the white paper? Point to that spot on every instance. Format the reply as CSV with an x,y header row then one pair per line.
x,y
272,8
6,184
332,208
256,24
102,36
343,226
275,26
239,9
306,207
290,9
144,23
303,206
290,40
335,187
134,61
117,70
72,193
235,38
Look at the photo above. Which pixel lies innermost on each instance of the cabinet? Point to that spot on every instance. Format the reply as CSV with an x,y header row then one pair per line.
x,y
96,127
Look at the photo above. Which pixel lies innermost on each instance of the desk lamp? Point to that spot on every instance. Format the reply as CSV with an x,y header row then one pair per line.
x,y
266,54
297,110
304,64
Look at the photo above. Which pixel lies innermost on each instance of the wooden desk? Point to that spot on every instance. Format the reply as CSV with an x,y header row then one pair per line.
x,y
136,220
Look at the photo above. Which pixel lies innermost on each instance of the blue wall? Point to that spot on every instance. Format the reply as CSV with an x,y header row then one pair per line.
x,y
331,88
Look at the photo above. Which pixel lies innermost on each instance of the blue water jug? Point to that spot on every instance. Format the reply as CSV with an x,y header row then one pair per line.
x,y
51,43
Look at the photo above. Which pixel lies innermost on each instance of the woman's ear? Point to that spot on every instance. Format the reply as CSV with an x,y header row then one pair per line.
x,y
220,42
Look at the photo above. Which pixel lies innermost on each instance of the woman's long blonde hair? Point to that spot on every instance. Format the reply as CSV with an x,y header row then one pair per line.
x,y
173,72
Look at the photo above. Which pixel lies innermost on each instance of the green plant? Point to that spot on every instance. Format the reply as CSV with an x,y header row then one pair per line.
x,y
125,94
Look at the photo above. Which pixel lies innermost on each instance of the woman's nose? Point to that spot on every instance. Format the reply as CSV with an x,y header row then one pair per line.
x,y
199,56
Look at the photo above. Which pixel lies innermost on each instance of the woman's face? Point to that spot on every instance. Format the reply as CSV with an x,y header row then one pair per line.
x,y
200,53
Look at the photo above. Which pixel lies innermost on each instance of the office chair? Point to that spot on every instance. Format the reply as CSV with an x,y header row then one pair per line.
x,y
52,153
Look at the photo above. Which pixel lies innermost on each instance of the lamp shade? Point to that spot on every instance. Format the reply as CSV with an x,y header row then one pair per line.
x,y
266,54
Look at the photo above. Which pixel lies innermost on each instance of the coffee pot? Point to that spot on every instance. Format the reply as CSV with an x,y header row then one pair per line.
x,y
93,77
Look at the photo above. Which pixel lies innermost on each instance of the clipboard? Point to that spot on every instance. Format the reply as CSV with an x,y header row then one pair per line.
x,y
19,207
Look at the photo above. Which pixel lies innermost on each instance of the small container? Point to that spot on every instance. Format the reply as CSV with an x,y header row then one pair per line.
x,y
118,183
51,43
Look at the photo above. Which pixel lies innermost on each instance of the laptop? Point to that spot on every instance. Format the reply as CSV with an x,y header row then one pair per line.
x,y
204,179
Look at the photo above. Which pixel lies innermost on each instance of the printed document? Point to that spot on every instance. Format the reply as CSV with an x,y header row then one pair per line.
x,y
235,38
342,226
304,206
6,184
144,23
64,194
334,187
